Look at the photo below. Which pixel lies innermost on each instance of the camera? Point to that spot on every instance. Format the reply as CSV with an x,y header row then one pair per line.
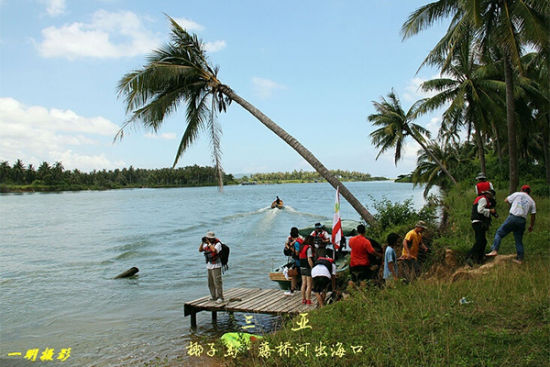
x,y
204,240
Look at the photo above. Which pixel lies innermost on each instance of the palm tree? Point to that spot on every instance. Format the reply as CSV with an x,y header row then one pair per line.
x,y
506,24
428,172
471,90
395,126
179,73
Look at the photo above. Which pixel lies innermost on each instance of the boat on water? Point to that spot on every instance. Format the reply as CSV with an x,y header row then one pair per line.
x,y
277,203
349,228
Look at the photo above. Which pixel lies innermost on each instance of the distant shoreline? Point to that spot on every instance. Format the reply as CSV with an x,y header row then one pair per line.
x,y
11,189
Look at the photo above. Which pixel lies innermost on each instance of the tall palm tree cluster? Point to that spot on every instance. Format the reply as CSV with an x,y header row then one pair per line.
x,y
494,82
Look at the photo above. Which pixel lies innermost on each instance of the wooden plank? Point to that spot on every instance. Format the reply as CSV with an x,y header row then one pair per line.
x,y
267,297
244,305
246,301
272,305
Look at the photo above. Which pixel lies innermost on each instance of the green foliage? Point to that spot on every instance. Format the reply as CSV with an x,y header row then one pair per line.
x,y
55,178
400,217
306,176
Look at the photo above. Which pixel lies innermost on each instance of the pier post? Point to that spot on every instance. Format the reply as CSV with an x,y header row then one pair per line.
x,y
194,320
214,316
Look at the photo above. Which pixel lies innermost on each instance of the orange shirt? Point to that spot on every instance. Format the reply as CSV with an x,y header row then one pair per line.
x,y
413,239
360,248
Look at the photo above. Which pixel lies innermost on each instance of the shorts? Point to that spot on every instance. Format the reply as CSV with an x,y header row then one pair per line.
x,y
305,271
320,284
359,273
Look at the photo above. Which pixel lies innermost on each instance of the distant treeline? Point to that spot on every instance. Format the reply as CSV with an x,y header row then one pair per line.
x,y
20,177
307,176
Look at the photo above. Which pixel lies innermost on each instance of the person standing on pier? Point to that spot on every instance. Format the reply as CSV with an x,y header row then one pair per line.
x,y
212,247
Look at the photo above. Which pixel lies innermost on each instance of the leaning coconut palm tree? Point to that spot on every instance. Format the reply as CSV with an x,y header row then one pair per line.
x,y
180,73
395,126
506,24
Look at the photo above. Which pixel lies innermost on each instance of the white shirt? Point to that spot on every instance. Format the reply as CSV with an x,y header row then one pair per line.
x,y
218,263
521,204
320,270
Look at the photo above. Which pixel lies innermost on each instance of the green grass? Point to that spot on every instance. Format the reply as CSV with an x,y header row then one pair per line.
x,y
423,324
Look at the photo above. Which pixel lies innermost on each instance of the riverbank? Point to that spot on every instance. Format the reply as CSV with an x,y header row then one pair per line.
x,y
496,318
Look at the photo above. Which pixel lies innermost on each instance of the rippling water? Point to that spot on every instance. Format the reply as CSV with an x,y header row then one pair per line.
x,y
60,251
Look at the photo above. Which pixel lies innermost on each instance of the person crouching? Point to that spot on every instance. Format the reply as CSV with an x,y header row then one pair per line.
x,y
322,273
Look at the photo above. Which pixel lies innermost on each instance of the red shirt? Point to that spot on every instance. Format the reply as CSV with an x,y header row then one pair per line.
x,y
360,248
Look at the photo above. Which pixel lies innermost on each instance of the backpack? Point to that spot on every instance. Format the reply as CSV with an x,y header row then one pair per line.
x,y
224,256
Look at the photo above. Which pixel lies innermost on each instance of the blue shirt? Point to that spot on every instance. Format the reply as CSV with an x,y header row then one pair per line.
x,y
389,257
297,248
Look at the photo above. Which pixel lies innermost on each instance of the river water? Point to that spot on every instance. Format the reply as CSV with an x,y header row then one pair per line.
x,y
60,251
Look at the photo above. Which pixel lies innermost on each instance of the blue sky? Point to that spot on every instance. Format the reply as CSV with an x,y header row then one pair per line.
x,y
314,67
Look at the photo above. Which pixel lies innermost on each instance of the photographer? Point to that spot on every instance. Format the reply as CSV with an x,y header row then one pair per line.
x,y
211,247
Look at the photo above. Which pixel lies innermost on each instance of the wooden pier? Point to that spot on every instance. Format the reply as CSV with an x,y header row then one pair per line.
x,y
250,300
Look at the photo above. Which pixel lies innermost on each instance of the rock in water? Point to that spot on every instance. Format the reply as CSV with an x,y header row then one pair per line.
x,y
128,273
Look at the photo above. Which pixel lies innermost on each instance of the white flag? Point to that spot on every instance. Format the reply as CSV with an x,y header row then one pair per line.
x,y
337,222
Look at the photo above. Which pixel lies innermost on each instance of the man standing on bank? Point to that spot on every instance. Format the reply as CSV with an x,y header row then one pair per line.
x,y
521,205
411,245
482,209
212,247
482,184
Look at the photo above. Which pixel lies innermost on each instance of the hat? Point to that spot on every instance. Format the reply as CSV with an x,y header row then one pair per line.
x,y
421,224
481,176
526,188
318,225
210,235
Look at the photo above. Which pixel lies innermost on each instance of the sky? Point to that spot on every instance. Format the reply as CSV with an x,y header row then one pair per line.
x,y
313,67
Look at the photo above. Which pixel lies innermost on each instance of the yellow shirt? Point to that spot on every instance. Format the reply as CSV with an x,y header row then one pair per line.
x,y
414,239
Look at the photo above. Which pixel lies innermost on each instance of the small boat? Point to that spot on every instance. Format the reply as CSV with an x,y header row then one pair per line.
x,y
277,204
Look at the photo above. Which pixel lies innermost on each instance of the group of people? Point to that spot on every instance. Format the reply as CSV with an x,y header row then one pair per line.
x,y
314,262
315,265
484,208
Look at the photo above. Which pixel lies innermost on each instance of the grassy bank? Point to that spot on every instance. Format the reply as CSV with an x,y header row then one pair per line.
x,y
504,322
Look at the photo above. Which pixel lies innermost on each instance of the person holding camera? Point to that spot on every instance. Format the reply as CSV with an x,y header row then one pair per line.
x,y
211,247
482,210
321,239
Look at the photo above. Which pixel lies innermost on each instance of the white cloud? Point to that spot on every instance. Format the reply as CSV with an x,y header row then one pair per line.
x,y
214,46
55,7
27,132
434,125
108,35
163,136
188,24
413,92
264,88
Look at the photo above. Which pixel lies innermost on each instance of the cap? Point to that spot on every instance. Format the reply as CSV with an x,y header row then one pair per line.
x,y
210,234
318,225
481,176
421,224
526,188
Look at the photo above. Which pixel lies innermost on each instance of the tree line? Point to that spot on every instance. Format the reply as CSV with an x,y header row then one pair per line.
x,y
493,84
54,177
307,176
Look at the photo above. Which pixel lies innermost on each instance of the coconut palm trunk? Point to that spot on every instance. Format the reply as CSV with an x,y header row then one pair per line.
x,y
303,151
511,124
